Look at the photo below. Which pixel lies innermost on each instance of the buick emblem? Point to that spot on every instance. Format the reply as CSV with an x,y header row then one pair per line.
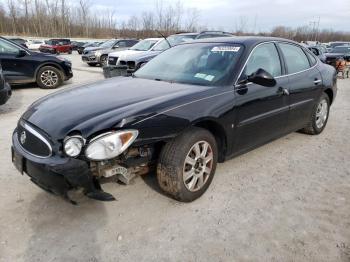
x,y
23,137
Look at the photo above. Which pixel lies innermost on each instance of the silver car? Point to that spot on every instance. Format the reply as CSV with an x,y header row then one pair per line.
x,y
98,55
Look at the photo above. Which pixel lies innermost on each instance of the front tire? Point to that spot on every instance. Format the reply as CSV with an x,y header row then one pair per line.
x,y
187,164
49,77
319,117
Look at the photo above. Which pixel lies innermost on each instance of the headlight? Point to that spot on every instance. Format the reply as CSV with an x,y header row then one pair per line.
x,y
72,145
98,53
110,145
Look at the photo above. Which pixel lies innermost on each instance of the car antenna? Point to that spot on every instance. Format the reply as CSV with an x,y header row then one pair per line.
x,y
164,38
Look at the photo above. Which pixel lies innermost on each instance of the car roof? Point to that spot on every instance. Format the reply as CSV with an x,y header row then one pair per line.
x,y
245,40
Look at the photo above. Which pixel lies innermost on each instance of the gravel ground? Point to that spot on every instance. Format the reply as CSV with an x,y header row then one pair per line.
x,y
286,201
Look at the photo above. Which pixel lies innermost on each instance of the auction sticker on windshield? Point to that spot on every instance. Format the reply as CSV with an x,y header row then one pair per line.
x,y
225,49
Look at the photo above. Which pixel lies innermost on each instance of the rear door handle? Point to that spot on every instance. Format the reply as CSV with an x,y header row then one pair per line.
x,y
317,81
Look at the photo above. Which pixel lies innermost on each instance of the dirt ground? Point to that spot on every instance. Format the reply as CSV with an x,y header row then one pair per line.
x,y
286,201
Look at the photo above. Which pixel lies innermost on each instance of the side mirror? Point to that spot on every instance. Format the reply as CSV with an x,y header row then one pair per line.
x,y
262,77
21,53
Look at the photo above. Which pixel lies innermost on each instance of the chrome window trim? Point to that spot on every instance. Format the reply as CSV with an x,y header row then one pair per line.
x,y
277,77
38,135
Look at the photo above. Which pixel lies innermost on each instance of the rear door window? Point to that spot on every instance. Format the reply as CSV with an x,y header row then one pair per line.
x,y
295,58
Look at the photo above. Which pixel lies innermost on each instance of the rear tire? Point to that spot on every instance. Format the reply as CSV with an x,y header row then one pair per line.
x,y
49,77
319,117
187,164
70,51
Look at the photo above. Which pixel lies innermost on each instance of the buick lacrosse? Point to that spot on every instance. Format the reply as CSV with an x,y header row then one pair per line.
x,y
196,104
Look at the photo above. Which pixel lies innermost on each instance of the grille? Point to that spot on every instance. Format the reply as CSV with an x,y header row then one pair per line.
x,y
122,62
32,141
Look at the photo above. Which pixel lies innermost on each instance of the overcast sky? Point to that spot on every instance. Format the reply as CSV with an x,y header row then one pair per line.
x,y
261,15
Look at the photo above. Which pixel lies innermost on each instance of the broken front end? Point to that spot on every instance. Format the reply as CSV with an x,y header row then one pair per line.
x,y
74,162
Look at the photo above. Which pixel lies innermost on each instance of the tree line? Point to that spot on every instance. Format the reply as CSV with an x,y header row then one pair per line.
x,y
60,18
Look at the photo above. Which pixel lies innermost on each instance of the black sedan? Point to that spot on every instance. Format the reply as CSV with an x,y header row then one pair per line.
x,y
192,106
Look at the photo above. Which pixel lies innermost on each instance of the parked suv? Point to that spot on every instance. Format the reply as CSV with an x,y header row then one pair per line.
x,y
21,65
5,89
56,46
99,55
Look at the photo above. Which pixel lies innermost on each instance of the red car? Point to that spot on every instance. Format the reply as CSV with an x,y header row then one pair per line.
x,y
56,46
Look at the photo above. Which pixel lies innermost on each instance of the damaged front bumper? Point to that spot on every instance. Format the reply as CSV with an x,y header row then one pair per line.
x,y
57,174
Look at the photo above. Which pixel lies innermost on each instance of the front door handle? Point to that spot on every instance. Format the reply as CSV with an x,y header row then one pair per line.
x,y
317,81
283,91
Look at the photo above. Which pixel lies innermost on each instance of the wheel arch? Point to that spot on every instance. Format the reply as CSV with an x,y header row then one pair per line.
x,y
53,64
218,131
329,93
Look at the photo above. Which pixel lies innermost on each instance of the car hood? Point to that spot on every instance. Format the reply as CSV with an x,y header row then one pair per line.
x,y
103,105
126,53
144,56
93,48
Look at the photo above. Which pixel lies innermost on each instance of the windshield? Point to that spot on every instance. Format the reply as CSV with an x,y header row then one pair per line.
x,y
108,43
197,64
173,40
341,49
144,45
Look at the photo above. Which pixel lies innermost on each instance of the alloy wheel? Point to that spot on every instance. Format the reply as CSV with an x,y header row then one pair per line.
x,y
321,113
198,166
49,78
104,60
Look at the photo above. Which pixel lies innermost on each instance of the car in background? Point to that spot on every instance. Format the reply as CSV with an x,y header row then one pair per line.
x,y
338,52
195,105
130,64
76,45
99,55
212,34
56,46
5,89
20,66
319,52
141,48
35,44
19,41
81,49
331,45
